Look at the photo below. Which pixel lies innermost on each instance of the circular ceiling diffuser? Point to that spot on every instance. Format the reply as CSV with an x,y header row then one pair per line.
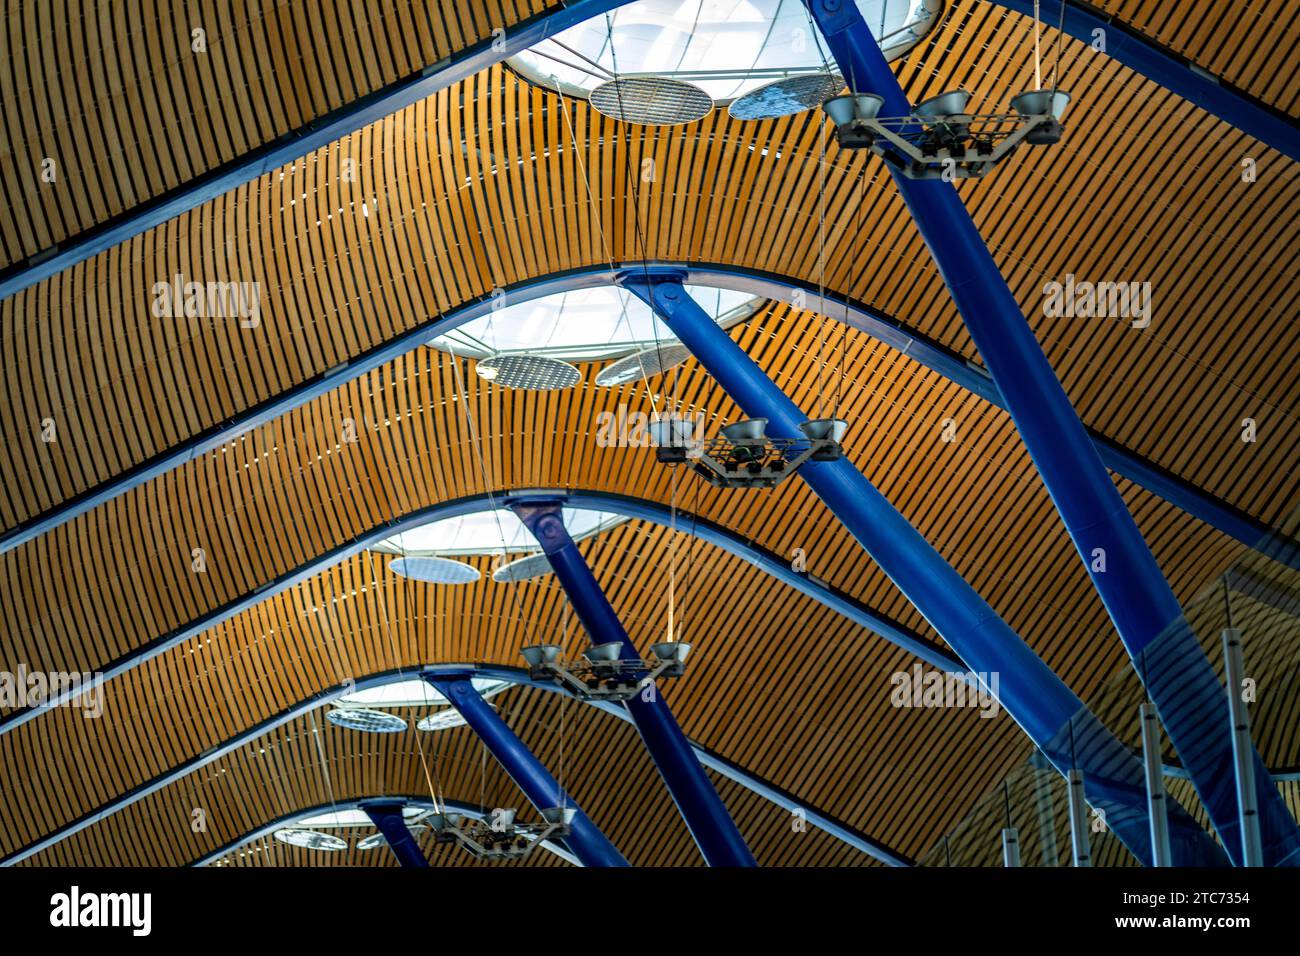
x,y
367,721
653,361
435,570
310,839
537,373
786,96
651,101
441,720
533,566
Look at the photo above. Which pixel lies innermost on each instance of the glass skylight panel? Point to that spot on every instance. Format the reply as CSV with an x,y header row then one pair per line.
x,y
725,47
582,325
488,532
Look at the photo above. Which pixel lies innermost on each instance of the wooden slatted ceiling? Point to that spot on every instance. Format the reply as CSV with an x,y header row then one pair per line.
x,y
119,594
971,498
1145,188
117,97
1235,41
115,94
605,768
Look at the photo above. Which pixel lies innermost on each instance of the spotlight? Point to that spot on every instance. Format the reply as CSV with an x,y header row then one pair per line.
x,y
851,115
671,438
825,435
540,655
1044,108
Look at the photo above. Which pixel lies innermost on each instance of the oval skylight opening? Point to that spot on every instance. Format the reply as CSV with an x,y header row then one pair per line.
x,y
724,47
310,839
585,325
488,532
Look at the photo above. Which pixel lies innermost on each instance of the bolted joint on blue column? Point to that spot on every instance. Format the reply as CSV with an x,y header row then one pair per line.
x,y
543,792
703,811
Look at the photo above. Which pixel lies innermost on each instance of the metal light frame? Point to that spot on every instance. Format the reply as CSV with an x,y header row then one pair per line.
x,y
761,462
514,841
601,673
939,139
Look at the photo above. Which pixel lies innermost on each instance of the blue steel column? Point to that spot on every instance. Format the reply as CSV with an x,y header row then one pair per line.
x,y
711,826
387,816
1050,713
543,792
1165,652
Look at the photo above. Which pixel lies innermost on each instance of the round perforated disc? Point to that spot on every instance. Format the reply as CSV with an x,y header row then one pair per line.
x,y
537,373
435,570
368,721
443,719
533,566
783,97
651,361
310,839
651,101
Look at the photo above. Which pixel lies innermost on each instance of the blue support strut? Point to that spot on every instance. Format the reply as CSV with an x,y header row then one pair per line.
x,y
1165,651
543,792
1050,713
711,826
387,816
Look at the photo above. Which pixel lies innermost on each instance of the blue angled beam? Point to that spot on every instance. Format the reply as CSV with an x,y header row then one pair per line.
x,y
1176,73
715,833
952,366
387,816
1165,652
1049,712
585,839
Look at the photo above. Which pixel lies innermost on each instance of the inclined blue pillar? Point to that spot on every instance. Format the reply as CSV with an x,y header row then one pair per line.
x,y
543,792
1165,652
711,826
387,816
1053,717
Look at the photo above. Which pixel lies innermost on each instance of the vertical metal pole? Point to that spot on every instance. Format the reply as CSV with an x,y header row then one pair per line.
x,y
1079,820
1046,808
1243,750
1010,847
703,811
1029,690
387,817
1151,760
1130,583
542,790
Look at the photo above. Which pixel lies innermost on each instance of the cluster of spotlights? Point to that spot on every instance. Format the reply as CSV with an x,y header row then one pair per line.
x,y
497,836
940,139
742,455
603,673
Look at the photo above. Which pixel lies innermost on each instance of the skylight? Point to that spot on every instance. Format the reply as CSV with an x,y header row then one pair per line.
x,y
350,818
725,47
413,693
584,325
489,532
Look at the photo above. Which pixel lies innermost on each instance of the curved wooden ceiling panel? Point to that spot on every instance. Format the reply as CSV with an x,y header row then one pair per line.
x,y
119,97
464,202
